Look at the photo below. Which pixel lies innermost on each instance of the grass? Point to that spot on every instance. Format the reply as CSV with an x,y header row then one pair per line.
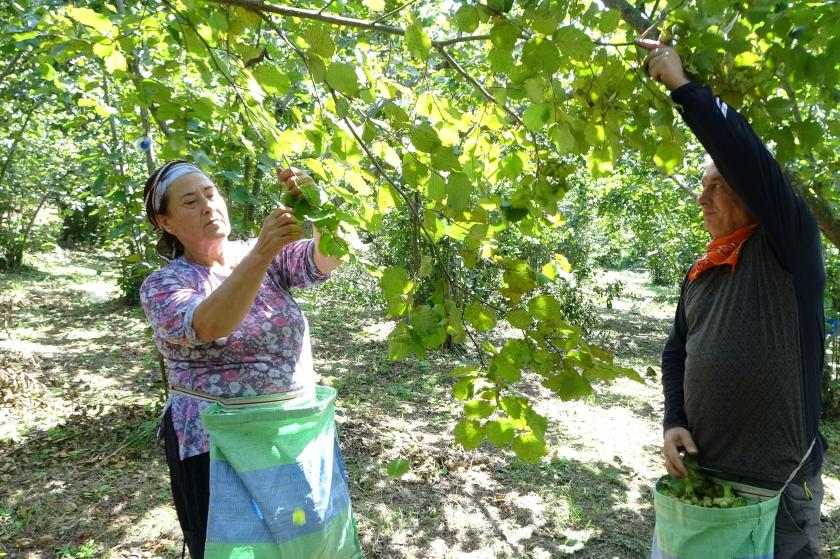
x,y
82,477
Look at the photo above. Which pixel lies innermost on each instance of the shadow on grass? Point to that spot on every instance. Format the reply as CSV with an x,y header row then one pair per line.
x,y
23,274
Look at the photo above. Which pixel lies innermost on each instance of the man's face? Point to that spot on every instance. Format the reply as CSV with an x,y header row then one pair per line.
x,y
723,210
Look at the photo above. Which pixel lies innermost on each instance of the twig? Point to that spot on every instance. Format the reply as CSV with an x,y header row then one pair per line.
x,y
605,44
455,40
797,116
660,19
327,5
466,75
394,11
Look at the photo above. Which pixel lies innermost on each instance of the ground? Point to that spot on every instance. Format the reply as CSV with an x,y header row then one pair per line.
x,y
81,476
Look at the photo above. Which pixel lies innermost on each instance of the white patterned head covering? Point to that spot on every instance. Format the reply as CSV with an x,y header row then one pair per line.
x,y
168,177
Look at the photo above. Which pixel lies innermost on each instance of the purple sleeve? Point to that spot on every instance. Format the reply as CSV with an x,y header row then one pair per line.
x,y
169,305
294,266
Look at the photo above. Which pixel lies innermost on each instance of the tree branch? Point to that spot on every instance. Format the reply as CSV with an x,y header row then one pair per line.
x,y
828,223
11,65
633,16
341,21
683,186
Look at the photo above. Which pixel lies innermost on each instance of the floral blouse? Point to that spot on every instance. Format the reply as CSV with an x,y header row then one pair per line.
x,y
267,353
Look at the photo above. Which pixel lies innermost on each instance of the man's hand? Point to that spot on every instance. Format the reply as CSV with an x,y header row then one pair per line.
x,y
663,64
675,440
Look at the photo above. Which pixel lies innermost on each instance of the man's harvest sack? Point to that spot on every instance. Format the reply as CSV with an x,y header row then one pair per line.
x,y
278,487
685,531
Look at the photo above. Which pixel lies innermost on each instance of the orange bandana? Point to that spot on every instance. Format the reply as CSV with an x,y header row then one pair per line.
x,y
723,250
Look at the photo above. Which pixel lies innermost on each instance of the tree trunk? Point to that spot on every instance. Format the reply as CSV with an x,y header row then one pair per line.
x,y
415,237
12,149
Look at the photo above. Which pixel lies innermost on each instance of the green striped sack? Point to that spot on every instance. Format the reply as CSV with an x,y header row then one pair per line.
x,y
278,487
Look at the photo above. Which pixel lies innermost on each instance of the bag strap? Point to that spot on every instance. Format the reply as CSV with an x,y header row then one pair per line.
x,y
799,467
238,401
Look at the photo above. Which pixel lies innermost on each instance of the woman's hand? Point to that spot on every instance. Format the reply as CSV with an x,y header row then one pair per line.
x,y
293,179
279,229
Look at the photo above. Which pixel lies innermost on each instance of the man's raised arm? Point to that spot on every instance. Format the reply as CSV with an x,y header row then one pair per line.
x,y
739,155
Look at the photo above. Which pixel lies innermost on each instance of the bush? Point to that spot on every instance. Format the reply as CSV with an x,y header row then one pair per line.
x,y
132,273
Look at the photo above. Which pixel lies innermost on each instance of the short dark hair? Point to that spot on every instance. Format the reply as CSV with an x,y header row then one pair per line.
x,y
168,246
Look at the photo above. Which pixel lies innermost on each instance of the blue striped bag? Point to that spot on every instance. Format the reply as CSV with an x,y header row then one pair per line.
x,y
278,487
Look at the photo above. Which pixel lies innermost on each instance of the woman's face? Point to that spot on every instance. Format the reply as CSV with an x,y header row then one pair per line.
x,y
195,212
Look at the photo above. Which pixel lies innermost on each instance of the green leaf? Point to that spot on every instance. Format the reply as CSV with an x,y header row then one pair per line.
x,y
519,318
504,36
424,137
375,5
562,137
399,343
436,188
89,18
501,59
463,371
536,116
115,61
342,77
218,20
466,18
463,389
529,448
320,41
271,79
505,369
512,406
429,326
417,42
569,386
668,157
500,5
47,71
426,266
395,281
469,433
482,318
398,467
500,432
518,278
540,55
479,408
458,192
574,43
545,307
